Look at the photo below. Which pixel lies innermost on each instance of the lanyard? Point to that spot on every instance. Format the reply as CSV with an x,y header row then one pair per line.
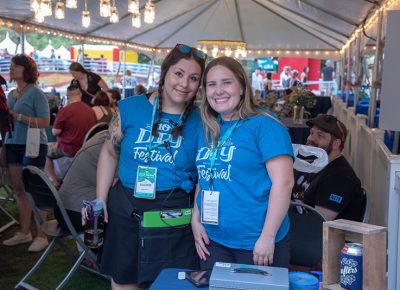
x,y
214,150
152,146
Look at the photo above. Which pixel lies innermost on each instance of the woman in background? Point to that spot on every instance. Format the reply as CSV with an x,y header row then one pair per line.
x,y
101,107
88,82
29,108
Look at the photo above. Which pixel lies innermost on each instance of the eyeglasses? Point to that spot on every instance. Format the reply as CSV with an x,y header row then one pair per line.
x,y
187,49
333,119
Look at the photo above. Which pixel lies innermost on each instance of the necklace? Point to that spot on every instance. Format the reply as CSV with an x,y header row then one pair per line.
x,y
18,92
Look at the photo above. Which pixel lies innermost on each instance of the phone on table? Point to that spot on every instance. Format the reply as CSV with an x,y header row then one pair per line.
x,y
199,278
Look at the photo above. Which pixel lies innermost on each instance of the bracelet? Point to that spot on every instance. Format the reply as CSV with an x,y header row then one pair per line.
x,y
19,117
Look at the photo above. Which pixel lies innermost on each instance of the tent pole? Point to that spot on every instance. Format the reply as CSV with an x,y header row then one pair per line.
x,y
376,74
151,72
22,39
124,73
357,70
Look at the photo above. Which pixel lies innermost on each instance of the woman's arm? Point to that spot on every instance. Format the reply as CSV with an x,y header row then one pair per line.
x,y
108,161
41,122
280,171
102,84
199,232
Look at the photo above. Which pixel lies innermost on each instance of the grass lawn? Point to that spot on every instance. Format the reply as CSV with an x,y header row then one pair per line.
x,y
16,261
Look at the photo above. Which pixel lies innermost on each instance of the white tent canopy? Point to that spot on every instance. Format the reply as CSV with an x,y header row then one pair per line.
x,y
63,52
46,52
9,44
285,25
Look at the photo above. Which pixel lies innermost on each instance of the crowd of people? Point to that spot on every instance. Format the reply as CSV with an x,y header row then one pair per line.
x,y
229,160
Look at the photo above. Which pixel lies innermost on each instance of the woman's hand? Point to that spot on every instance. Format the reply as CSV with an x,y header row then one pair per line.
x,y
263,253
200,239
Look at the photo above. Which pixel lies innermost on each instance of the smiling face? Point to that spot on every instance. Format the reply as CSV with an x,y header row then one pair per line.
x,y
223,91
181,82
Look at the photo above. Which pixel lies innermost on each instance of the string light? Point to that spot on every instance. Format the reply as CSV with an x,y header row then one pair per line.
x,y
85,17
72,4
133,6
136,22
114,18
149,12
105,8
59,11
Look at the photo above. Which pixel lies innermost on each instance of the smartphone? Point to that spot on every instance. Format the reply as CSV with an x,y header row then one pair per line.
x,y
199,278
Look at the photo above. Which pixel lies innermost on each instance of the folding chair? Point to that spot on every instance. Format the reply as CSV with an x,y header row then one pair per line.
x,y
94,130
305,235
42,195
8,197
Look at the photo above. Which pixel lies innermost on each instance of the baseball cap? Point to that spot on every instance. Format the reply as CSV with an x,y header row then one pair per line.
x,y
330,124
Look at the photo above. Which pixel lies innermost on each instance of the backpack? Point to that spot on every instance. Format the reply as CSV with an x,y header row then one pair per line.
x,y
6,119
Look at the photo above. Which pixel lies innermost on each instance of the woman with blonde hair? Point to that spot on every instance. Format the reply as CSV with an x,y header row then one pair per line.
x,y
245,166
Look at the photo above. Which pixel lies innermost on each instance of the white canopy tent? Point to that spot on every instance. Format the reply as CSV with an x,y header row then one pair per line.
x,y
46,52
288,26
63,52
9,44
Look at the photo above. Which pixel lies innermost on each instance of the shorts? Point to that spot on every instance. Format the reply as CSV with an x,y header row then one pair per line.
x,y
54,152
220,253
120,248
15,154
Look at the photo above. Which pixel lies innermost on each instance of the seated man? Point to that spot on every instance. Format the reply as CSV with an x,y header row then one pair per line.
x,y
80,181
70,126
335,191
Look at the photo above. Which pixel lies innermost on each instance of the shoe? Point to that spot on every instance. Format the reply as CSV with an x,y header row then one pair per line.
x,y
51,228
18,238
38,245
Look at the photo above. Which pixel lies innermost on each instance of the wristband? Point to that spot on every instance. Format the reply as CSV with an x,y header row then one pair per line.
x,y
19,117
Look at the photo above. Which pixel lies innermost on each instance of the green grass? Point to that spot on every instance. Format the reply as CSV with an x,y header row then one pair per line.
x,y
16,261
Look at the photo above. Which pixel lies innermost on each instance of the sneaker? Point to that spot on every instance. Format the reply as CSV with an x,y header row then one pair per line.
x,y
38,245
18,238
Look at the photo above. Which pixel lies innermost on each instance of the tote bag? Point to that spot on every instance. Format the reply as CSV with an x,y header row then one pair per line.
x,y
32,141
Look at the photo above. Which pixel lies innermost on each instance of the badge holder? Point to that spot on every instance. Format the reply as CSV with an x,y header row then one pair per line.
x,y
210,207
146,182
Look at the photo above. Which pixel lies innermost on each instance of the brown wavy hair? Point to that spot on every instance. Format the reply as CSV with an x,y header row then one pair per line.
x,y
31,72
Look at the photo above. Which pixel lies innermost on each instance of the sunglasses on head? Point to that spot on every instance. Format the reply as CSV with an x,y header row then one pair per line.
x,y
187,49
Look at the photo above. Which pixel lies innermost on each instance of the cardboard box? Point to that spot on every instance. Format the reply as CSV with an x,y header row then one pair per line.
x,y
246,277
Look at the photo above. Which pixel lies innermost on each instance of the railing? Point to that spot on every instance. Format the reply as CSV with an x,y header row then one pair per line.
x,y
379,172
139,70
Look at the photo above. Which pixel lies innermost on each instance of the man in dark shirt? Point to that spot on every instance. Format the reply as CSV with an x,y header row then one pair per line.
x,y
335,191
328,75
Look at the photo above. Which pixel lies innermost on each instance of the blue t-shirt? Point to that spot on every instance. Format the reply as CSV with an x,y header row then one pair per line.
x,y
32,103
175,164
242,179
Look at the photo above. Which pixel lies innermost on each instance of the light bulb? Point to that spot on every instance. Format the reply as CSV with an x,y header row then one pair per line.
x,y
35,6
45,8
214,51
136,20
59,10
72,4
39,18
85,19
133,6
149,12
114,18
105,8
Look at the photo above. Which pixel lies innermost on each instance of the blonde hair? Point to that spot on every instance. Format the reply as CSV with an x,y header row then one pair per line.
x,y
246,108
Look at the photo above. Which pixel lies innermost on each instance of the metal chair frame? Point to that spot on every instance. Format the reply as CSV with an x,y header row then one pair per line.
x,y
43,195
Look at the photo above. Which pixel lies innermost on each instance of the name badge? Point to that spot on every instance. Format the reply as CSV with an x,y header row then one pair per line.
x,y
146,182
210,207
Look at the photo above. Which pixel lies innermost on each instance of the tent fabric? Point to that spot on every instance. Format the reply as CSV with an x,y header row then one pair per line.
x,y
262,24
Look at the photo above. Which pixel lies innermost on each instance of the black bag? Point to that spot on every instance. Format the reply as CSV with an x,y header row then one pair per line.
x,y
169,247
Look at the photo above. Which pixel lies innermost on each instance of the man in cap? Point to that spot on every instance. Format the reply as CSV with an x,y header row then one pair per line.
x,y
335,191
